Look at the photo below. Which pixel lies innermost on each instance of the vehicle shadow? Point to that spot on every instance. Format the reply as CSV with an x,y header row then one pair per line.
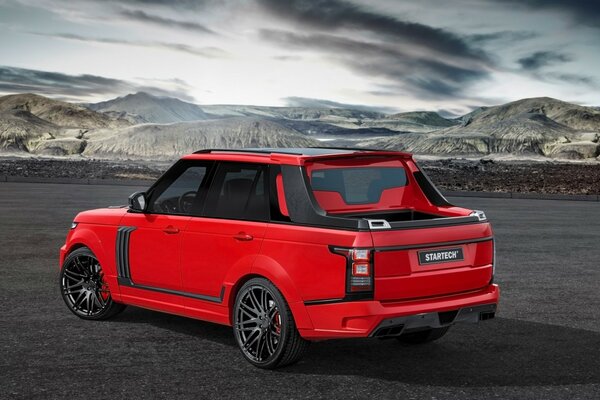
x,y
202,330
500,352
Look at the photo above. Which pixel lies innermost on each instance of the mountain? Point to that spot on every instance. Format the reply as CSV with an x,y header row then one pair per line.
x,y
568,114
59,113
36,124
123,128
417,121
173,140
20,130
151,109
428,118
291,113
541,126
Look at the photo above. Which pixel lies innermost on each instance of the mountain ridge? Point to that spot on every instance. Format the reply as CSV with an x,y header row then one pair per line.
x,y
124,127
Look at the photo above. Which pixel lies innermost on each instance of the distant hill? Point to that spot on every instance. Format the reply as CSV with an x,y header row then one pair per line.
x,y
568,114
36,124
145,126
428,118
541,126
172,140
59,113
20,130
151,109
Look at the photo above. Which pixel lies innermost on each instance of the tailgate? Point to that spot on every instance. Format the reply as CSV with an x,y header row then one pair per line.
x,y
426,262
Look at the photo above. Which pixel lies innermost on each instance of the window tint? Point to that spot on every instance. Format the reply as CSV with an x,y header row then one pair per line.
x,y
358,185
179,196
239,192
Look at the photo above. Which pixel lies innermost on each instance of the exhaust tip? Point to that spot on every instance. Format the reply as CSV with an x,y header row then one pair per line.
x,y
486,315
389,331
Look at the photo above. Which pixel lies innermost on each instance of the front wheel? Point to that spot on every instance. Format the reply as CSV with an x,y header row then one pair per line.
x,y
83,287
421,337
264,327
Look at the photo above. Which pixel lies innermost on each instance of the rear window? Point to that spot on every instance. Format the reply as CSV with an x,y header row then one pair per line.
x,y
358,185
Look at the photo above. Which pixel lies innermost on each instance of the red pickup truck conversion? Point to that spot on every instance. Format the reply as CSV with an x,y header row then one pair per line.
x,y
288,246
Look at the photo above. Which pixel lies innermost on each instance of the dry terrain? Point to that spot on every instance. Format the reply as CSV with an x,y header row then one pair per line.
x,y
450,174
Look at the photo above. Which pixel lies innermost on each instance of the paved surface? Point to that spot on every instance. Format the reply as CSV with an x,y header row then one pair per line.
x,y
545,344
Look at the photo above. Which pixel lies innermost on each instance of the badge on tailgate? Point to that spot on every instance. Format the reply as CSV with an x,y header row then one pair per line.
x,y
440,256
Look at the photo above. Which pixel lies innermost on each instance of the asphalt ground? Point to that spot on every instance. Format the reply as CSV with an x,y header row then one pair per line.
x,y
544,344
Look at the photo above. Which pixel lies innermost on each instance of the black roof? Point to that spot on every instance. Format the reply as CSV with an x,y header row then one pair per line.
x,y
300,151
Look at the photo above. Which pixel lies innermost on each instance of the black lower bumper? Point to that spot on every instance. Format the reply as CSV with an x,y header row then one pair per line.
x,y
412,323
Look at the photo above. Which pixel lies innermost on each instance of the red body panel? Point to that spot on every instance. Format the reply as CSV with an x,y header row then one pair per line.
x,y
192,266
154,249
211,247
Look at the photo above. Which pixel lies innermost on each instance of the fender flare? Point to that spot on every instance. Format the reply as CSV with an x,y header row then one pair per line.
x,y
270,269
88,238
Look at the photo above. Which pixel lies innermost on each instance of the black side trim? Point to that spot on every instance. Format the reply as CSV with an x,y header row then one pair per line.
x,y
124,274
129,283
324,301
432,245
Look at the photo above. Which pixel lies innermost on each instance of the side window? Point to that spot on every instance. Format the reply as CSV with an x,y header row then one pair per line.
x,y
178,194
239,191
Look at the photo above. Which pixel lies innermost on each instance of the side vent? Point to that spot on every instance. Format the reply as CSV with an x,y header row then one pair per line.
x,y
122,251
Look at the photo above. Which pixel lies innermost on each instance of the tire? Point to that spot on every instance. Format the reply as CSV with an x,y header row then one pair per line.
x,y
264,326
422,337
83,288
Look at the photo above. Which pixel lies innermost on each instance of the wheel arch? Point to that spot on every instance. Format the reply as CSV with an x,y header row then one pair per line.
x,y
85,237
267,268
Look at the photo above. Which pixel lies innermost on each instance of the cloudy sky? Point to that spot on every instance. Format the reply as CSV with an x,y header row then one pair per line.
x,y
392,55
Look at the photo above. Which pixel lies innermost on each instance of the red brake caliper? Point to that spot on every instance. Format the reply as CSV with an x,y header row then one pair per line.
x,y
277,322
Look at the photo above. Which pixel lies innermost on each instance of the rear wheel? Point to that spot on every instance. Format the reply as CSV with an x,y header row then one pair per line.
x,y
264,327
83,287
421,337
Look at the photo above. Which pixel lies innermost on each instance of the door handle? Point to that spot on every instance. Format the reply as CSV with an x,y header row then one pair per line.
x,y
243,237
171,230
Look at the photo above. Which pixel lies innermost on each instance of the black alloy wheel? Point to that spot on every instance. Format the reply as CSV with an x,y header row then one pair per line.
x,y
264,327
83,287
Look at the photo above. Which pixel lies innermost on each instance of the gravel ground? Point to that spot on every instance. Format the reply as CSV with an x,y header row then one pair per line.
x,y
545,344
487,176
504,176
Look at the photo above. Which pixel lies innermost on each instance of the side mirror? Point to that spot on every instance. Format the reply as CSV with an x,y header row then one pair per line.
x,y
137,202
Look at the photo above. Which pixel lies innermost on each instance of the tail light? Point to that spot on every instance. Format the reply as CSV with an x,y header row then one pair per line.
x,y
361,274
359,271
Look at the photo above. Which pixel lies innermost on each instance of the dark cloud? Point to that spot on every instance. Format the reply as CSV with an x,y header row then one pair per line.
x,y
139,15
180,4
575,78
542,59
207,52
501,36
322,103
421,75
330,15
75,87
584,11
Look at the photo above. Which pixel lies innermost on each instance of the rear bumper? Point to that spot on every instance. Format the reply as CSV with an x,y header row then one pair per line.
x,y
369,318
412,323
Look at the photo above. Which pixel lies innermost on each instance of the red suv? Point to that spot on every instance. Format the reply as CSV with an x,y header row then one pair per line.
x,y
288,246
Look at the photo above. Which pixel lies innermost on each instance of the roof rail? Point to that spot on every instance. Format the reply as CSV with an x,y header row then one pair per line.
x,y
347,148
266,151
